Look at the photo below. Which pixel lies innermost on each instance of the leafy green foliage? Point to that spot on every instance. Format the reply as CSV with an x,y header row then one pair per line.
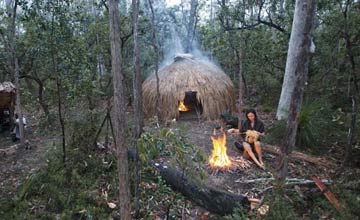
x,y
281,209
170,144
318,127
240,213
67,193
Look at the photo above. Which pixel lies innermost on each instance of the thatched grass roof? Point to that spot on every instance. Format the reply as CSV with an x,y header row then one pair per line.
x,y
7,87
215,90
7,91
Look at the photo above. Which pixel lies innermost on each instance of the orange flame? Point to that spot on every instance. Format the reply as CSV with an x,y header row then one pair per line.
x,y
182,107
219,158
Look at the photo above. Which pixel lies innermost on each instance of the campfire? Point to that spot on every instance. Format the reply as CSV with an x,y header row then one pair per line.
x,y
219,160
182,107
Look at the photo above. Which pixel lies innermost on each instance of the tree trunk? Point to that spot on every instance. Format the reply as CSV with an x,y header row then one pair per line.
x,y
137,88
119,111
353,88
240,70
156,50
296,66
299,46
58,86
40,83
61,118
191,26
16,74
350,139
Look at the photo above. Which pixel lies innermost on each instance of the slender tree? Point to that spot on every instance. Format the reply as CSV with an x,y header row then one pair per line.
x,y
15,63
156,50
137,81
297,64
191,26
137,88
353,87
119,111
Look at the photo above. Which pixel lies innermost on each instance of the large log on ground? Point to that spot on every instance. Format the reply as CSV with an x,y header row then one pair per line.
x,y
299,156
214,200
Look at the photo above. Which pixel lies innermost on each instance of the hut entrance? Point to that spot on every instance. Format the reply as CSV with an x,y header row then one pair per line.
x,y
190,108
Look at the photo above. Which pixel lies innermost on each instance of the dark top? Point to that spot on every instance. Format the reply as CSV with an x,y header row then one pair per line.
x,y
246,125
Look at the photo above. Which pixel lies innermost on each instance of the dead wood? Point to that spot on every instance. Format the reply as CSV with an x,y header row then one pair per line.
x,y
288,181
214,200
296,155
329,195
9,150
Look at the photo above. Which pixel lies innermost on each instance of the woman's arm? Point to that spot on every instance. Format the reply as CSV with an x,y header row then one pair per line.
x,y
233,131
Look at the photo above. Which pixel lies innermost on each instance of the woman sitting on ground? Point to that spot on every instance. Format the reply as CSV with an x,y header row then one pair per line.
x,y
250,130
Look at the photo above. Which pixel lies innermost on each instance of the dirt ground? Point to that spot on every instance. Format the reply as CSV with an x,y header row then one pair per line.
x,y
17,163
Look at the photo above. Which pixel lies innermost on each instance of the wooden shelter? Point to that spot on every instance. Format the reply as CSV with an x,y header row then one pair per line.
x,y
198,84
7,103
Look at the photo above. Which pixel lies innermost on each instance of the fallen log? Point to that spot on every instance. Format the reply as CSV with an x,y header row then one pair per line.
x,y
299,156
214,200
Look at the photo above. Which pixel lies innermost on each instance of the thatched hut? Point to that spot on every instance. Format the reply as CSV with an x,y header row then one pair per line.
x,y
7,103
198,84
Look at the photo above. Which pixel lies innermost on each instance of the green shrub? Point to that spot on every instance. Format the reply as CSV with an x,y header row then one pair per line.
x,y
280,208
240,213
317,128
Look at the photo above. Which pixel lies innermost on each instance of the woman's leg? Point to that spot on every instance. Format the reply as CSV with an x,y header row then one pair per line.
x,y
257,146
248,150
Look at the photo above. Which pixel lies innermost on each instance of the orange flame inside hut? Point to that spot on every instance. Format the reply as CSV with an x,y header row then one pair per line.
x,y
219,158
182,107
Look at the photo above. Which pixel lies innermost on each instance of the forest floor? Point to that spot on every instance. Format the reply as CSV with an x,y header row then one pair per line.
x,y
17,165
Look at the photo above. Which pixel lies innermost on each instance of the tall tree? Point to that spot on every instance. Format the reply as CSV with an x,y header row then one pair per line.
x,y
15,63
300,32
297,65
119,111
156,50
137,87
237,45
191,26
353,87
137,82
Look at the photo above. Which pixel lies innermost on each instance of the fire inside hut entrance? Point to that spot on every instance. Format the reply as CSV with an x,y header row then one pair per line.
x,y
190,108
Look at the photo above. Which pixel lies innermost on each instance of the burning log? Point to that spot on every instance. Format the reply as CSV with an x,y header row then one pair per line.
x,y
182,107
219,158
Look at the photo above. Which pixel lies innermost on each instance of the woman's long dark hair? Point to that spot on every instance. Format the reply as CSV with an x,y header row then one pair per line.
x,y
251,111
